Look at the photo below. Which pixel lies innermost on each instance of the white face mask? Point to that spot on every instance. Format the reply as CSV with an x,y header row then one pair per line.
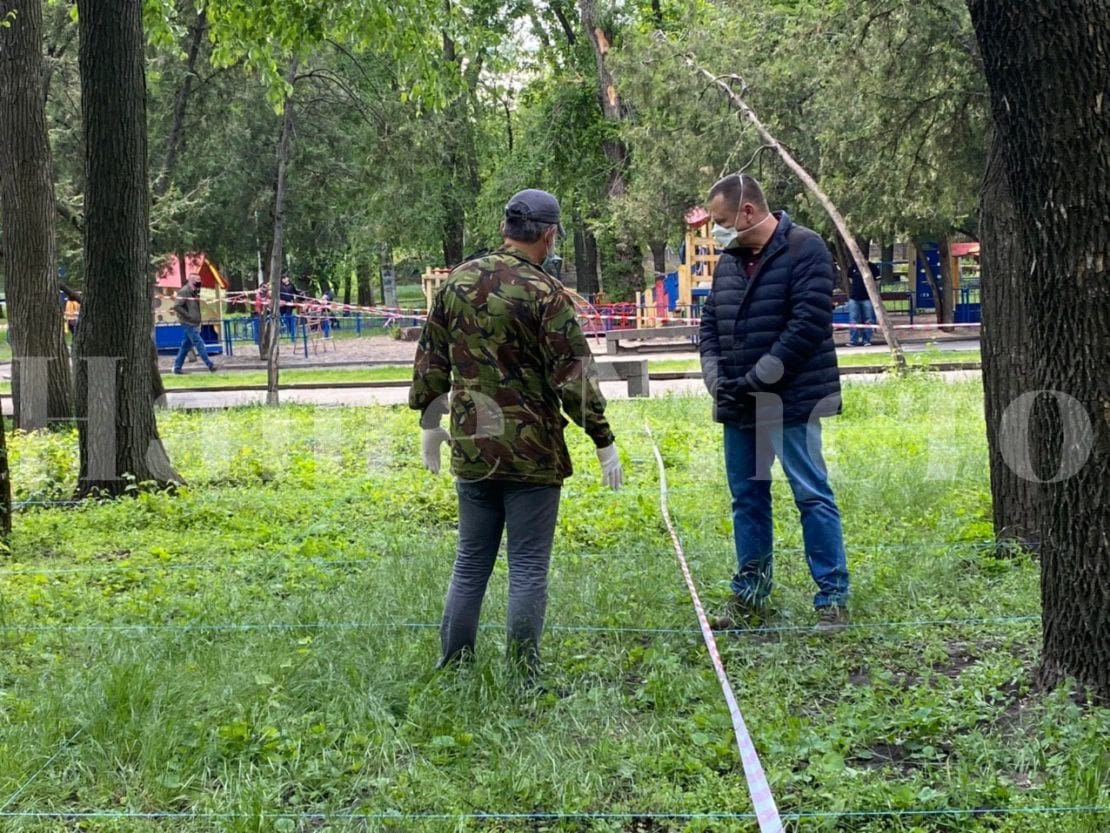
x,y
722,236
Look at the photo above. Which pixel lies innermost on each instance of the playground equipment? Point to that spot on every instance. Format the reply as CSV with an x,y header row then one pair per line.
x,y
167,331
680,295
431,281
965,283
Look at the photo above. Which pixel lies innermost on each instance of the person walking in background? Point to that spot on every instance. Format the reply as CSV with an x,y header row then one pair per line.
x,y
187,308
768,359
503,340
860,308
287,301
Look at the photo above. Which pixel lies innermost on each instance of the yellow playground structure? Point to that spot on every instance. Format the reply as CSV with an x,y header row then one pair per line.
x,y
679,296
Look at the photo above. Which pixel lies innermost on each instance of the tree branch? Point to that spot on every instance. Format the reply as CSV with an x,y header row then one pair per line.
x,y
807,179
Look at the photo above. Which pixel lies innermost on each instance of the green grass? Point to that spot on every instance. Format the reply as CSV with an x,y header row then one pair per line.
x,y
411,296
318,529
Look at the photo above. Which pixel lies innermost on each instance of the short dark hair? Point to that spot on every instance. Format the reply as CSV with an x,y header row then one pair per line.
x,y
733,185
524,231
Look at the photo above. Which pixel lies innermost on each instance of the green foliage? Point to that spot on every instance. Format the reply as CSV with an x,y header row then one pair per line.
x,y
285,605
415,122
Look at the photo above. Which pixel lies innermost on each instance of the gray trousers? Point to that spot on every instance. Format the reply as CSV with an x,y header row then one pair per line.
x,y
486,509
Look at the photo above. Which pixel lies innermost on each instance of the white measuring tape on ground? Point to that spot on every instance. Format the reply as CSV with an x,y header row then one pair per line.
x,y
766,812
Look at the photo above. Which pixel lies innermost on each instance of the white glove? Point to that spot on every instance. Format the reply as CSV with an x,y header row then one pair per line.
x,y
612,475
430,443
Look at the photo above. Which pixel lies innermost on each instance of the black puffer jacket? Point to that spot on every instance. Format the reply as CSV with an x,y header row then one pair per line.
x,y
767,350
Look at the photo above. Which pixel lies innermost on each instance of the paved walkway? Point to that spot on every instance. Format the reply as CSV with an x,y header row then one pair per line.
x,y
398,395
202,400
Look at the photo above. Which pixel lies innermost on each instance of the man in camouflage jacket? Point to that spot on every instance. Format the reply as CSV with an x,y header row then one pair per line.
x,y
503,356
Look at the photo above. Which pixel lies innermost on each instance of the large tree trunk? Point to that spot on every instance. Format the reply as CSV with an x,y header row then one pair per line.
x,y
460,151
1007,354
622,262
41,380
272,333
117,430
585,258
659,257
1048,69
365,288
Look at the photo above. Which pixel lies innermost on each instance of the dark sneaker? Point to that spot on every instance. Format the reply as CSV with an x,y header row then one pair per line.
x,y
739,612
212,368
178,372
831,619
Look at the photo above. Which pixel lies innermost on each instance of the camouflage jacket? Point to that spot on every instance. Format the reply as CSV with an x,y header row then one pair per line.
x,y
503,340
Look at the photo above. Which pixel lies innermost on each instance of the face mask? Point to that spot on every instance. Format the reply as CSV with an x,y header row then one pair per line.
x,y
552,262
723,237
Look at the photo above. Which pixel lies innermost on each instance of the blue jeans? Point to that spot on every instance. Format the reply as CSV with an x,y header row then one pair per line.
x,y
487,508
860,312
749,453
191,339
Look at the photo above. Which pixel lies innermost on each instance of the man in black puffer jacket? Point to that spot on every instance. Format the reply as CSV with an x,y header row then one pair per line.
x,y
768,359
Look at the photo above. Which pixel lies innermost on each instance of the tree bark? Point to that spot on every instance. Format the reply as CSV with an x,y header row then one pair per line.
x,y
1048,69
1007,354
659,257
42,386
840,254
117,429
273,332
585,258
460,154
622,263
365,287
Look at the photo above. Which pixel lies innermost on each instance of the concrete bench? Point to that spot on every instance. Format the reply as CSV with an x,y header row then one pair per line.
x,y
633,371
614,337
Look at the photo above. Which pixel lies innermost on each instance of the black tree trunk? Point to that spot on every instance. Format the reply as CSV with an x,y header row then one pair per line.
x,y
585,258
118,433
41,380
1048,69
365,288
621,260
1007,354
659,257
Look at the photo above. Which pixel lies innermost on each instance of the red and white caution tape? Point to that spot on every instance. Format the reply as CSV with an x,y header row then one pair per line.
x,y
318,306
766,811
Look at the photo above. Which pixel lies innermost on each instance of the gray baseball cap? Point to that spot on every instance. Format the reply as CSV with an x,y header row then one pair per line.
x,y
533,204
